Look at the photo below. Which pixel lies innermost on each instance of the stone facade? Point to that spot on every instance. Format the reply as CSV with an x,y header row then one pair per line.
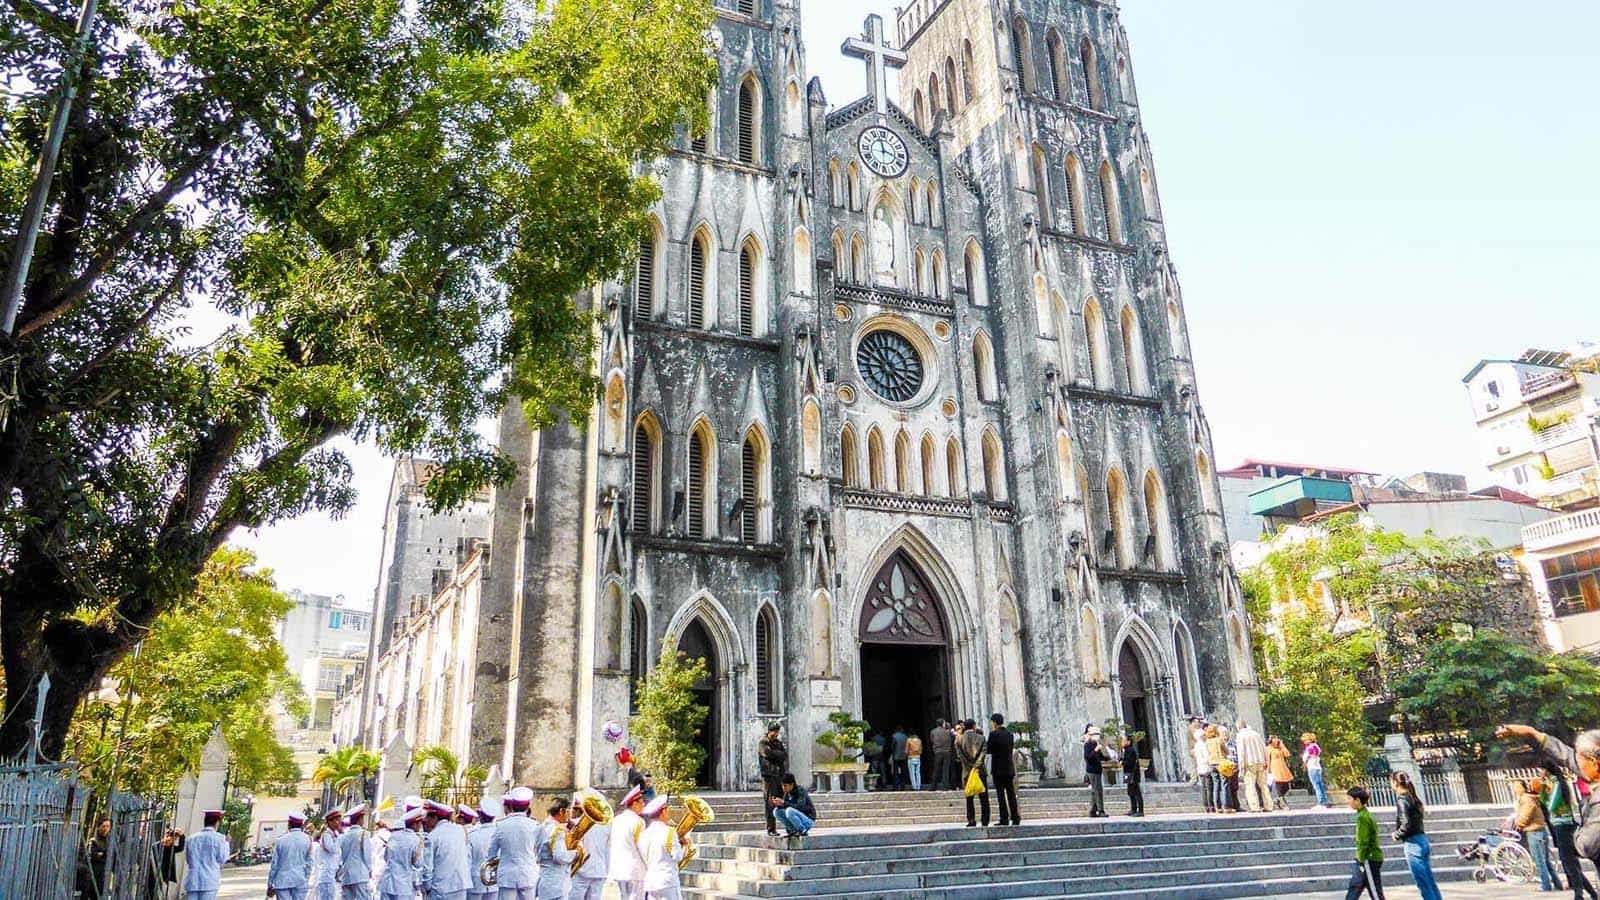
x,y
903,424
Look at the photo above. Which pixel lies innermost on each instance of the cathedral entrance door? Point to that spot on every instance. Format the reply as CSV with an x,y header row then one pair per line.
x,y
696,643
1136,711
905,668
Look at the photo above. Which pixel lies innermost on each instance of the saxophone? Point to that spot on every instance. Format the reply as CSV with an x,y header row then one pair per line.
x,y
695,812
595,811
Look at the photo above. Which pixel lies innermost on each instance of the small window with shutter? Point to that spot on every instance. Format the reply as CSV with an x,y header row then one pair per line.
x,y
749,487
747,291
697,282
766,662
747,122
644,279
644,463
697,484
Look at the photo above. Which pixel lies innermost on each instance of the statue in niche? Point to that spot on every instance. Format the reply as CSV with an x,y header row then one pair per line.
x,y
883,245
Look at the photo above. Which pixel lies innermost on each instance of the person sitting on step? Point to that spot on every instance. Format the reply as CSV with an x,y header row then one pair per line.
x,y
794,809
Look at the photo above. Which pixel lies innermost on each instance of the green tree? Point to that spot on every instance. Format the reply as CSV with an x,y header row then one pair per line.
x,y
1476,684
445,777
279,223
346,771
212,659
668,720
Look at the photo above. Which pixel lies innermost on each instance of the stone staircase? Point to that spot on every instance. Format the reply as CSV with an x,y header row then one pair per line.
x,y
1163,856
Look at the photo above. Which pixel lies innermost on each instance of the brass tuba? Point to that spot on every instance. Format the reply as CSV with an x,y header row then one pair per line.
x,y
596,811
695,812
489,872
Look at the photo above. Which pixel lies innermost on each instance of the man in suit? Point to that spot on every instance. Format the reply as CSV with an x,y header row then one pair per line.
x,y
943,744
970,748
1002,746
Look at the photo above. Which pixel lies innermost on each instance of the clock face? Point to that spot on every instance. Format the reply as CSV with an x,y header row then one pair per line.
x,y
883,151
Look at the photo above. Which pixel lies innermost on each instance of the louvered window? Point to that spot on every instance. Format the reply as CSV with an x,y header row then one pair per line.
x,y
750,487
697,485
766,653
1091,75
644,279
747,123
644,463
697,143
1019,38
747,292
637,652
747,7
697,283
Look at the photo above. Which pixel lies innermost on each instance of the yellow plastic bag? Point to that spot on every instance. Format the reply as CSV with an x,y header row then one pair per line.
x,y
974,784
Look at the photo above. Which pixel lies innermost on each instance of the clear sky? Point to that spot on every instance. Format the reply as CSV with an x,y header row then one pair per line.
x,y
1363,198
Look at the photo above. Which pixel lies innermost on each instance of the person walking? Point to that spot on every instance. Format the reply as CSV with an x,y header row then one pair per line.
x,y
1204,775
1217,758
899,773
1002,748
1311,755
1134,776
1408,830
1583,758
970,749
289,873
1530,821
1252,752
774,762
1278,771
1094,759
943,744
914,760
205,853
1368,875
1560,812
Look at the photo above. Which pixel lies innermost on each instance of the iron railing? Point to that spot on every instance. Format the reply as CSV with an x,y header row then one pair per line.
x,y
41,827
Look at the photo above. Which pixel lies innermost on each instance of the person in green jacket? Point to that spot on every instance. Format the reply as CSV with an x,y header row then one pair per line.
x,y
1367,877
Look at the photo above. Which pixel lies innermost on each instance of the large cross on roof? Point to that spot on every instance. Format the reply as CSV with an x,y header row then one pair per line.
x,y
874,48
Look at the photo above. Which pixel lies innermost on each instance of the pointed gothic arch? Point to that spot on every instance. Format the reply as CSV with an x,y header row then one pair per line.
x,y
858,260
1141,682
647,272
1160,521
1094,93
976,279
1208,483
1094,333
811,437
701,279
703,625
994,466
752,288
1091,634
768,661
953,472
755,486
966,70
794,109
701,480
820,657
936,275
750,119
902,463
645,513
1041,187
853,185
837,192
803,265
952,96
876,473
849,457
930,466
1022,55
1119,508
1076,209
983,367
1111,198
919,112
1060,81
1187,669
1065,469
1133,358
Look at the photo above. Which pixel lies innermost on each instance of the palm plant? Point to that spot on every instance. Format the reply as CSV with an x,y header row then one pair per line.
x,y
345,771
444,776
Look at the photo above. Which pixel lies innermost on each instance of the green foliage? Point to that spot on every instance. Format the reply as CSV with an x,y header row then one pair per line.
x,y
346,770
1028,742
444,777
235,822
1476,684
668,720
278,224
212,659
1540,424
843,736
1545,470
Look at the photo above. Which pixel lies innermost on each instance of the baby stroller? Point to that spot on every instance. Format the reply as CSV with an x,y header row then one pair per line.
x,y
1500,854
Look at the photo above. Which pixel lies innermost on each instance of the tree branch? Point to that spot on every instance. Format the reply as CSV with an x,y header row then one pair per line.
x,y
173,289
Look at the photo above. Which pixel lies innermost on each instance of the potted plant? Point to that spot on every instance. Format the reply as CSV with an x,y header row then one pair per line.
x,y
843,737
1032,754
1111,739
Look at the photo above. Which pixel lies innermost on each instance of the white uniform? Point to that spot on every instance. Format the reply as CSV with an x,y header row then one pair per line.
x,y
478,840
327,857
355,864
591,878
661,849
624,865
402,855
204,853
555,862
515,844
290,872
446,874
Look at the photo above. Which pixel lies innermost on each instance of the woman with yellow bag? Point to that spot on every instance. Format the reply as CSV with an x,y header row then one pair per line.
x,y
970,748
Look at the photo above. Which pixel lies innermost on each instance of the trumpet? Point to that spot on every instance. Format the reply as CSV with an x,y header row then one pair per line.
x,y
695,812
596,811
489,872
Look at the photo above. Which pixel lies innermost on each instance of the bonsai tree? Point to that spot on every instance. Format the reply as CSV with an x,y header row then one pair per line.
x,y
843,736
1028,743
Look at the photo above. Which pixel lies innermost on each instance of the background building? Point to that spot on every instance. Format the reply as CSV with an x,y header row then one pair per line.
x,y
1537,419
1562,555
1240,482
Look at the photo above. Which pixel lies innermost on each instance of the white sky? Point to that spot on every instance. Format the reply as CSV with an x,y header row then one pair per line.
x,y
1363,198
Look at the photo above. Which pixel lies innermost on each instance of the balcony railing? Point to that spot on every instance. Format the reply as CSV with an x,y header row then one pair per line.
x,y
1561,530
1544,385
1558,435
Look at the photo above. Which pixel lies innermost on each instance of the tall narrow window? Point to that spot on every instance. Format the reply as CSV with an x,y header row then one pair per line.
x,y
930,467
1111,197
994,472
932,204
1060,84
1133,352
766,661
1091,75
935,97
974,275
1075,194
875,471
638,652
1155,508
1094,332
699,138
853,179
952,98
936,275
966,70
1020,51
644,278
952,465
747,290
1064,467
858,260
849,462
697,280
748,110
902,463
983,367
836,193
701,509
750,490
1117,508
1041,187
919,114
644,476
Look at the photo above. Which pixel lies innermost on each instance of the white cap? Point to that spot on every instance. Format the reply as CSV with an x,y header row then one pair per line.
x,y
655,807
490,806
413,815
520,796
413,802
360,809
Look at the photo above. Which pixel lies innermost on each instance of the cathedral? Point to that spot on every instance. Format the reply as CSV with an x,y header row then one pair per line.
x,y
899,418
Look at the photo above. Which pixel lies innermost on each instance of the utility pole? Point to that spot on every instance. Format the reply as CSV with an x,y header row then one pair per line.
x,y
33,212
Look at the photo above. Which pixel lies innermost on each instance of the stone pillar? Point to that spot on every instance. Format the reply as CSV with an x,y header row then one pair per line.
x,y
202,790
397,778
1397,751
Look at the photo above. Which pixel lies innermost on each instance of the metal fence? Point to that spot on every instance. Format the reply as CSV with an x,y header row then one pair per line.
x,y
41,825
1500,781
1438,788
132,869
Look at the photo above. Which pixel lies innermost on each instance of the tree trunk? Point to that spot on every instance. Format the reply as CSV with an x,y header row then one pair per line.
x,y
73,654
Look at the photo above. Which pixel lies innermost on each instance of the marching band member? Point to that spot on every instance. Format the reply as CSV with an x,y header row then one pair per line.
x,y
355,857
555,860
290,872
478,840
516,845
624,865
327,856
402,859
205,853
590,881
466,817
661,849
445,875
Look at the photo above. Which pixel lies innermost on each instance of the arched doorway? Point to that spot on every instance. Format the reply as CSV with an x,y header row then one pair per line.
x,y
1137,702
905,668
696,643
